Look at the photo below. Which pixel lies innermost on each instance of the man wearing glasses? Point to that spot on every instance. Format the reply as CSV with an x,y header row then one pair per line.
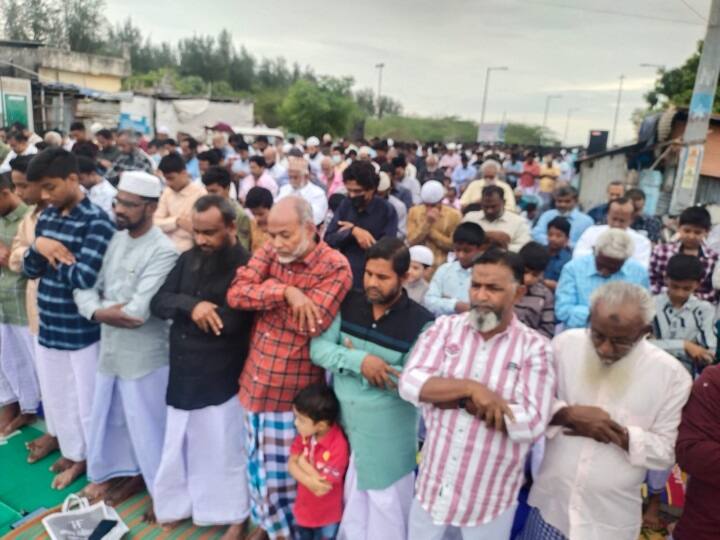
x,y
615,417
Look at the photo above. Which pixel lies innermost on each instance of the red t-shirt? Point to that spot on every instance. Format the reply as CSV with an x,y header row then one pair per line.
x,y
329,456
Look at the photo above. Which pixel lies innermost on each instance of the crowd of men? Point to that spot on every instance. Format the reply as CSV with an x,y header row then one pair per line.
x,y
317,340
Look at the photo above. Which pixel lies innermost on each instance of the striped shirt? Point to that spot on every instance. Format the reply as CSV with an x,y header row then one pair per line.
x,y
470,474
86,232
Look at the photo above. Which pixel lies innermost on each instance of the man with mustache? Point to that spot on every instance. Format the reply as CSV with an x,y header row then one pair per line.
x,y
485,382
365,349
615,415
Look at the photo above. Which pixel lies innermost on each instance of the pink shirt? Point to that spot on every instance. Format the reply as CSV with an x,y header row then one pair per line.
x,y
248,182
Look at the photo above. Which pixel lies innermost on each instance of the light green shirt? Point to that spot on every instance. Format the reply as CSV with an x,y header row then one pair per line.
x,y
12,284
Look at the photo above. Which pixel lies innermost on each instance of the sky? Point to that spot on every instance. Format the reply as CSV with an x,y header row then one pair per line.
x,y
436,53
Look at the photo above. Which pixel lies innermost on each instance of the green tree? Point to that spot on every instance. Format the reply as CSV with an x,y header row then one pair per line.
x,y
314,109
33,20
84,24
530,135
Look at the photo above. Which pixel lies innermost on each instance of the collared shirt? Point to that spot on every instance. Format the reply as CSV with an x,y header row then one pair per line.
x,y
449,160
530,174
413,186
403,194
402,215
599,213
24,238
266,181
661,256
176,204
132,271
649,226
86,232
693,322
384,446
12,283
514,225
512,171
278,365
586,243
436,235
548,177
579,222
103,194
536,309
469,473
29,151
193,168
463,175
313,195
279,173
556,263
449,285
473,193
591,490
579,279
378,218
136,161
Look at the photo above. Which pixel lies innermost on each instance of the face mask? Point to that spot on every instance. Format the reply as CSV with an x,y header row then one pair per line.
x,y
358,201
336,159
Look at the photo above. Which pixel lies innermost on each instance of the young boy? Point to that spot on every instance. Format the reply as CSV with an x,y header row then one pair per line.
x,y
694,226
319,458
259,201
421,261
558,232
536,309
217,181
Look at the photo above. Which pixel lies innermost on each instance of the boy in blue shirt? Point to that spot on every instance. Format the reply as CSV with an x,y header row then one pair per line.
x,y
558,234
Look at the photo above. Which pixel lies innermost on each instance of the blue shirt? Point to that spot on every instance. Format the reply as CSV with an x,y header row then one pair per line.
x,y
579,221
599,213
449,285
193,168
580,278
462,175
556,264
86,232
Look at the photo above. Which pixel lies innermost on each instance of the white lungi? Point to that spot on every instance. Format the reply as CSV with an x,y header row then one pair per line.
x,y
18,382
49,425
423,528
203,470
127,427
68,384
376,514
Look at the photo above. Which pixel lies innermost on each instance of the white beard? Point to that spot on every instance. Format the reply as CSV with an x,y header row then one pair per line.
x,y
597,371
302,248
483,322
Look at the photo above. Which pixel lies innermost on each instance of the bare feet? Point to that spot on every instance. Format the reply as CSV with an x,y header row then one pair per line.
x,y
149,516
236,531
96,492
170,525
7,414
41,447
258,534
651,517
124,489
16,423
69,475
61,465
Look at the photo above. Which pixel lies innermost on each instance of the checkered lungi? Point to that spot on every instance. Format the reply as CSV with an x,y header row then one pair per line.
x,y
272,489
537,529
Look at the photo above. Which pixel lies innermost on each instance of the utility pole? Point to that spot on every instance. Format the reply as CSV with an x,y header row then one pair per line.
x,y
567,123
379,67
485,91
701,106
617,110
545,116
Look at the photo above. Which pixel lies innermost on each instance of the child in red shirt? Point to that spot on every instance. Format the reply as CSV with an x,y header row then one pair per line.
x,y
318,461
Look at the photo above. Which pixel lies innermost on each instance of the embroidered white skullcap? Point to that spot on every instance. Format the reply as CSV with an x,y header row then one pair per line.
x,y
421,254
432,192
140,183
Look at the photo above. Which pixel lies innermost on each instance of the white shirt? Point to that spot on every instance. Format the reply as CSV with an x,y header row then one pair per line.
x,y
586,243
514,225
312,194
590,490
5,167
413,186
103,194
401,211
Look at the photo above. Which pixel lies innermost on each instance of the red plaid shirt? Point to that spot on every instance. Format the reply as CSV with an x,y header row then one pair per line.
x,y
278,365
659,261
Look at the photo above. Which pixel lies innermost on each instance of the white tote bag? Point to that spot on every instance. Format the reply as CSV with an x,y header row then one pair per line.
x,y
78,519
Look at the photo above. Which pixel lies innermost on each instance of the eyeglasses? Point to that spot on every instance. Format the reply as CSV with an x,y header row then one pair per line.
x,y
127,204
618,344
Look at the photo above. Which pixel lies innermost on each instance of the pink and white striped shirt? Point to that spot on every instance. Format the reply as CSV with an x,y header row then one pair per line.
x,y
470,474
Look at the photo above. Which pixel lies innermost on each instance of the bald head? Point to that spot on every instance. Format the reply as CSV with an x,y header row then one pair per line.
x,y
291,229
297,172
270,155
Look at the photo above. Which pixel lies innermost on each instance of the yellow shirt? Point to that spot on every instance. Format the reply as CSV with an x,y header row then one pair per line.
x,y
473,193
173,205
438,235
21,243
548,177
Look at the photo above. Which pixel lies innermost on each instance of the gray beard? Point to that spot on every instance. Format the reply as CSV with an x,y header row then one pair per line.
x,y
483,322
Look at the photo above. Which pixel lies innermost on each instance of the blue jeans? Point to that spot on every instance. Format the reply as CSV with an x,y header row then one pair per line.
x,y
326,532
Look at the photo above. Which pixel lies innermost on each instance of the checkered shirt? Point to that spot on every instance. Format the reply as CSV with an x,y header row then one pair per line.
x,y
659,261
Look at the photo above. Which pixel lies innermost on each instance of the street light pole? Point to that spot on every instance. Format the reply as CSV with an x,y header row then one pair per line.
x,y
545,116
567,123
617,110
485,91
379,67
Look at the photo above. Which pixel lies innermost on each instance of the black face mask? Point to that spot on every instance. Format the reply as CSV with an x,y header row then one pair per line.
x,y
358,201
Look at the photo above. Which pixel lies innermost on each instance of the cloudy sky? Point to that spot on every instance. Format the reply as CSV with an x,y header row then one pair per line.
x,y
436,53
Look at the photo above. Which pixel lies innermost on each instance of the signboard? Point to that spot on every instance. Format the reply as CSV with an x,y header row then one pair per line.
x,y
491,133
15,102
16,109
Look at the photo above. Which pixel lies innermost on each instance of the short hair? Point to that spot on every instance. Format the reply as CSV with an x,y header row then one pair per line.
x,y
77,126
635,194
489,191
262,139
561,224
697,216
469,233
616,183
206,202
620,201
472,207
534,256
683,267
18,135
399,161
391,249
6,181
621,295
104,133
130,134
213,157
191,142
616,244
169,142
488,163
258,160
510,260
565,191
259,197
363,173
335,200
172,163
318,402
86,165
53,162
237,139
217,175
20,163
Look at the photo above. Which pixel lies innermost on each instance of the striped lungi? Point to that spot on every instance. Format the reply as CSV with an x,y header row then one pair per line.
x,y
272,489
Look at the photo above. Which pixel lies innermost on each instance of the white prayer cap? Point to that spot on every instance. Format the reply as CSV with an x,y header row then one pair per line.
x,y
432,192
140,183
390,143
312,141
384,184
164,130
287,147
327,138
97,126
422,255
451,146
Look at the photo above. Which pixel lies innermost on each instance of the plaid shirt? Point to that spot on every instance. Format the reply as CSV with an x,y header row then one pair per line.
x,y
137,161
650,225
279,365
86,232
12,284
659,260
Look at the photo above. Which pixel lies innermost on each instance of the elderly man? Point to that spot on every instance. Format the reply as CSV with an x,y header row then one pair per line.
x,y
19,146
508,228
366,348
615,415
131,158
299,185
599,213
331,174
485,382
566,205
582,276
620,216
128,413
432,223
277,171
295,284
489,171
431,170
